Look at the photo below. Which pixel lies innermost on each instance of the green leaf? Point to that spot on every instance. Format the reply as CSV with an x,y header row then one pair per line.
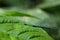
x,y
19,30
26,33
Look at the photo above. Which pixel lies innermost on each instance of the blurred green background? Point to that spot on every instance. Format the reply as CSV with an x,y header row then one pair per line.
x,y
41,13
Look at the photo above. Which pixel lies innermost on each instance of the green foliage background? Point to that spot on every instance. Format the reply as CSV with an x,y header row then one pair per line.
x,y
18,18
